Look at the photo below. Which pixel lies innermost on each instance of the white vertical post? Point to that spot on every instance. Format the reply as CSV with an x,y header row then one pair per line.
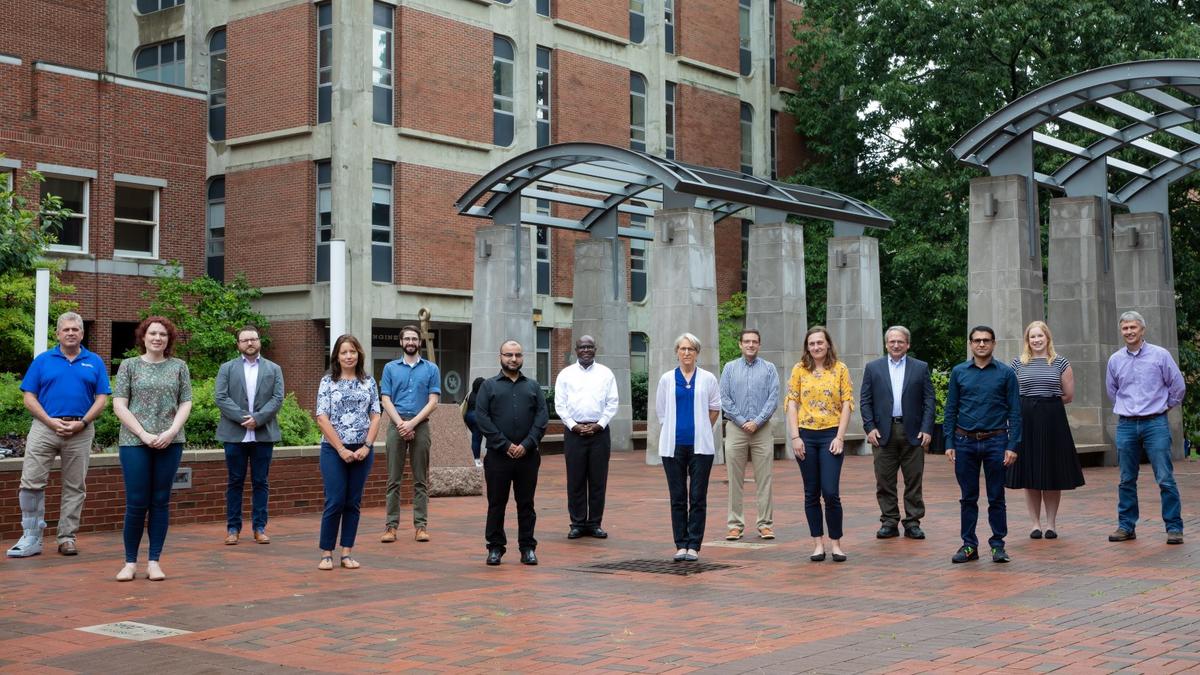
x,y
337,289
41,310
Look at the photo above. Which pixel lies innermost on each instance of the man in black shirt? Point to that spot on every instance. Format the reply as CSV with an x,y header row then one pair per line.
x,y
510,411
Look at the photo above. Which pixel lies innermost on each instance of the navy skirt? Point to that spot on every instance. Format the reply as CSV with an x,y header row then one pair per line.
x,y
1046,457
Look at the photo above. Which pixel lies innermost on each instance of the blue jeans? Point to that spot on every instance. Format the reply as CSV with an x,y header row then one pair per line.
x,y
476,434
237,456
822,473
689,503
969,455
344,482
148,474
1154,437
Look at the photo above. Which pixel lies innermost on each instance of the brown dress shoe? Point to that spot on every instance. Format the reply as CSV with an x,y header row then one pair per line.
x,y
421,534
389,535
68,548
261,537
231,538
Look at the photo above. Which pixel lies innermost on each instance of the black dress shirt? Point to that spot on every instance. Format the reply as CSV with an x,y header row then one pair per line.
x,y
508,411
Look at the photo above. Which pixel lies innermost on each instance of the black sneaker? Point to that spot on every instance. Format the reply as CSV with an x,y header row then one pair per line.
x,y
999,555
965,554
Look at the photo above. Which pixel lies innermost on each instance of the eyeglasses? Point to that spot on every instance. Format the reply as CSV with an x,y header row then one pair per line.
x,y
688,349
981,341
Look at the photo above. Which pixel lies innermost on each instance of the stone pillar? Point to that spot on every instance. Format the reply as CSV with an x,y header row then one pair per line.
x,y
1145,283
602,311
1004,269
683,297
503,303
1083,312
854,315
776,305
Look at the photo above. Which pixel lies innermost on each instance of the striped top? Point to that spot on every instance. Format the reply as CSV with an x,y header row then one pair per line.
x,y
1040,379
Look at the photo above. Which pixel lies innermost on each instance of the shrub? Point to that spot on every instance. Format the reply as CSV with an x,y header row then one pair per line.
x,y
639,388
941,382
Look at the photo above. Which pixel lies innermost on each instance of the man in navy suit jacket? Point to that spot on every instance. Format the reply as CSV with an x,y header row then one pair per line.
x,y
897,411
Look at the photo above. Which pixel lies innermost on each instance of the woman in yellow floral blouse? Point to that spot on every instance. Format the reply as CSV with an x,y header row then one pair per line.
x,y
819,401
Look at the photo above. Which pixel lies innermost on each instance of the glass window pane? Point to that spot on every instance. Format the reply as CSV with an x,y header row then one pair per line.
x,y
133,237
134,203
216,72
70,191
216,43
381,263
324,200
216,217
324,104
637,27
381,105
71,232
502,129
502,48
381,50
381,215
324,14
381,236
322,262
325,48
216,188
382,15
147,57
381,174
216,267
216,123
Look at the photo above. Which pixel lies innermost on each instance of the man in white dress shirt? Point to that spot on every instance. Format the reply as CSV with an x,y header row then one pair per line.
x,y
585,398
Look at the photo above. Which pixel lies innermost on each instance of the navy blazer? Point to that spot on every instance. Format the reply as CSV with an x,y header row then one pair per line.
x,y
916,399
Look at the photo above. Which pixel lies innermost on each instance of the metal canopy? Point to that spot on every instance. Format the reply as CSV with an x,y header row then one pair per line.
x,y
1155,143
596,182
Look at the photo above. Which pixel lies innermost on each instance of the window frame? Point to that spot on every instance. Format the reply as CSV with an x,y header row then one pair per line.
x,y
170,4
746,125
155,223
772,40
543,105
773,168
636,81
745,38
543,355
643,354
542,8
543,253
669,26
387,71
324,86
210,240
84,215
390,227
637,21
179,45
213,56
322,247
669,109
503,119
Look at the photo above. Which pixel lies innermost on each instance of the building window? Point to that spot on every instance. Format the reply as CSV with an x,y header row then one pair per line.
x,y
771,31
669,26
216,85
637,21
502,91
161,62
324,62
215,245
744,64
745,254
747,138
135,222
542,91
670,117
121,343
543,7
381,63
381,221
151,6
72,231
637,257
543,357
324,218
639,353
774,138
637,112
542,253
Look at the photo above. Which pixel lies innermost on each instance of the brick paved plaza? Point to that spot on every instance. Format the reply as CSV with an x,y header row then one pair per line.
x,y
1078,604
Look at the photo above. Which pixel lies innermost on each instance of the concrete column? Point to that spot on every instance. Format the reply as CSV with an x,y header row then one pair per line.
x,y
502,308
1145,283
1083,312
351,162
683,294
601,310
1004,269
854,315
776,304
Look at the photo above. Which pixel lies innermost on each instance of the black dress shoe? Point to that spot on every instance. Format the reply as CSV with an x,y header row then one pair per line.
x,y
817,557
839,557
528,557
574,532
914,532
494,556
887,532
1035,533
599,533
1051,534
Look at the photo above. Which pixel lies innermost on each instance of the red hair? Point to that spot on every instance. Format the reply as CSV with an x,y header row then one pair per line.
x,y
139,334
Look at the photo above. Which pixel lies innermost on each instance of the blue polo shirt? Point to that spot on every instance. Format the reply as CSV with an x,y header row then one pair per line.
x,y
63,387
408,386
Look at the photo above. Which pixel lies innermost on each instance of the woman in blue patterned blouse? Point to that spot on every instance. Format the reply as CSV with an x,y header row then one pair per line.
x,y
348,414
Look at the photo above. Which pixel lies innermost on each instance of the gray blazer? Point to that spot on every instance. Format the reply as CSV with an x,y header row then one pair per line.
x,y
916,399
231,400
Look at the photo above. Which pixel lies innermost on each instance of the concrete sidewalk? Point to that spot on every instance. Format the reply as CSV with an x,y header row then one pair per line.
x,y
1076,604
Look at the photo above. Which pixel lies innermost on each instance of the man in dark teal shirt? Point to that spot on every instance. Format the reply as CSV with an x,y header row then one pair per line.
x,y
983,426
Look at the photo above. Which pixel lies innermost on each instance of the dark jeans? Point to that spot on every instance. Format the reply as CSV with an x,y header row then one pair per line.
x,y
969,455
689,503
237,457
344,482
1154,437
476,434
148,474
822,473
586,458
503,473
898,456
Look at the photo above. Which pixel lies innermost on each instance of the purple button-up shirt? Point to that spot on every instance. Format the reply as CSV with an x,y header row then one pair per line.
x,y
1146,382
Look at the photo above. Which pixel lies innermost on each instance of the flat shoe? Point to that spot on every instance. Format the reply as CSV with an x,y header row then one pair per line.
x,y
349,563
1037,534
127,572
817,557
154,572
680,555
839,557
326,563
1051,534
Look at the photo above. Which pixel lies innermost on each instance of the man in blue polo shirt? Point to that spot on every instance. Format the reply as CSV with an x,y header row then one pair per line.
x,y
66,389
409,393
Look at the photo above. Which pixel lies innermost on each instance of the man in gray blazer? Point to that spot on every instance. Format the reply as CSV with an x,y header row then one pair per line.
x,y
249,431
897,408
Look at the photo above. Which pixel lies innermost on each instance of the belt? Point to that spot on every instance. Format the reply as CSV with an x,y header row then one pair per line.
x,y
979,435
897,420
69,418
1124,418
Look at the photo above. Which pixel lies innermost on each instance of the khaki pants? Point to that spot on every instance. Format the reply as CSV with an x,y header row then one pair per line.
x,y
760,448
41,446
417,452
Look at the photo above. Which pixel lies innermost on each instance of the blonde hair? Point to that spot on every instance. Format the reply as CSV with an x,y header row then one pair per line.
x,y
1027,353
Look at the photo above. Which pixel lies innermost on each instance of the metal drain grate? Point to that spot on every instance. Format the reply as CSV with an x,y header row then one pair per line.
x,y
682,569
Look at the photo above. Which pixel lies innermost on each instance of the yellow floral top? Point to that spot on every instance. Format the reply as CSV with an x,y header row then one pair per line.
x,y
819,397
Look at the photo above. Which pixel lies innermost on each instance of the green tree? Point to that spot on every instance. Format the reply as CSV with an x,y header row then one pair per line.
x,y
731,318
207,312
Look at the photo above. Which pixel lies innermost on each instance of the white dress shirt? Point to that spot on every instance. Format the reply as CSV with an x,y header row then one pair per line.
x,y
896,370
250,371
585,395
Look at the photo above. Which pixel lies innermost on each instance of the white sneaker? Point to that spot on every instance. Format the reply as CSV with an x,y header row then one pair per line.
x,y
479,463
28,545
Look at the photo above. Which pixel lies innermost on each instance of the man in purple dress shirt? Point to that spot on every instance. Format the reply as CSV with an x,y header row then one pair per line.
x,y
1144,383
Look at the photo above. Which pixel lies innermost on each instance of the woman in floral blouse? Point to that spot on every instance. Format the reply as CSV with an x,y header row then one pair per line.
x,y
819,401
153,398
348,414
